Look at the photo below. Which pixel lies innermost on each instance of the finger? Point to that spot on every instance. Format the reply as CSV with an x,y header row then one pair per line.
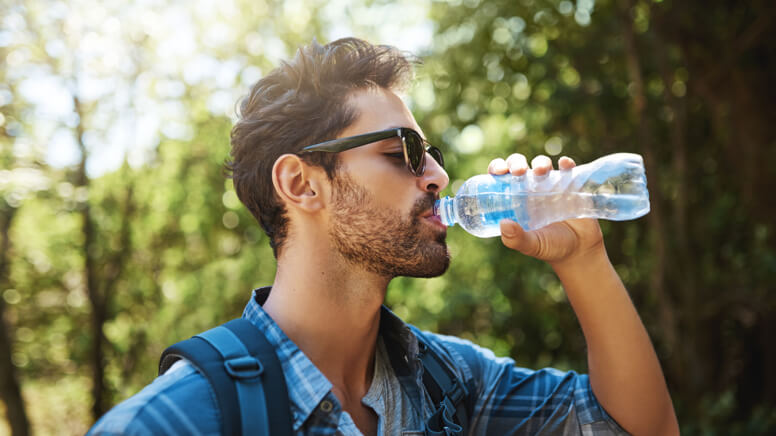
x,y
498,166
517,164
541,165
566,163
514,237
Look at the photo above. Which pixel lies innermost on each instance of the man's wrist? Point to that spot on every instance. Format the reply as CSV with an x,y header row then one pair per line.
x,y
583,262
588,278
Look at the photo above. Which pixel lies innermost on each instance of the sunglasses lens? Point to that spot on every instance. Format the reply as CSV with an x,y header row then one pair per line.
x,y
437,155
415,152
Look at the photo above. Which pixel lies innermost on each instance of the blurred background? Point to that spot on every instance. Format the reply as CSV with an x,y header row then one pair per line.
x,y
119,234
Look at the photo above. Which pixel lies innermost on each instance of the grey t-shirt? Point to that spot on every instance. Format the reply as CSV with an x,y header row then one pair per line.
x,y
393,407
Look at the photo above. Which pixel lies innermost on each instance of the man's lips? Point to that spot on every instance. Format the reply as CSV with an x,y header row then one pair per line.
x,y
433,219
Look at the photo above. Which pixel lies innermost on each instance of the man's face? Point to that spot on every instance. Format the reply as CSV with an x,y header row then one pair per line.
x,y
381,214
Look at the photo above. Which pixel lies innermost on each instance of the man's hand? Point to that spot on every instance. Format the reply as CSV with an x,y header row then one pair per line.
x,y
624,370
557,243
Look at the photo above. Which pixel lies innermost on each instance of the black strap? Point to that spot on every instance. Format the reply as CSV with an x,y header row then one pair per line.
x,y
447,391
244,371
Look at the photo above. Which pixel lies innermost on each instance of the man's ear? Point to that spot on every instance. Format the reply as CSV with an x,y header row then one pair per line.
x,y
298,184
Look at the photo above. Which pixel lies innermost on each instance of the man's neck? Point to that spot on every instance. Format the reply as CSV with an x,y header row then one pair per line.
x,y
332,313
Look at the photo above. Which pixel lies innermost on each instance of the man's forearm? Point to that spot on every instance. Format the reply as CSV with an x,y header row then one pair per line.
x,y
624,369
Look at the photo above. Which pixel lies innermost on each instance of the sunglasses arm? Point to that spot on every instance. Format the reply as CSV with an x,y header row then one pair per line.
x,y
342,144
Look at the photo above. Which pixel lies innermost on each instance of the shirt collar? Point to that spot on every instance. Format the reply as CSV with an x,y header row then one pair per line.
x,y
307,386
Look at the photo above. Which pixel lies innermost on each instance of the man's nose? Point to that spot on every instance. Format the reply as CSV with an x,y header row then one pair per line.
x,y
435,178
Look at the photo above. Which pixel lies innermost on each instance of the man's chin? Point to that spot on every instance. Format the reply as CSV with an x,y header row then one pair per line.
x,y
435,264
437,271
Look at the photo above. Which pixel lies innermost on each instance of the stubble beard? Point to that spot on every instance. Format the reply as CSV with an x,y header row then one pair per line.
x,y
382,240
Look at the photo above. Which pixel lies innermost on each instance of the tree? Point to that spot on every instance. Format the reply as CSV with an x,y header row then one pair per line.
x,y
133,239
686,85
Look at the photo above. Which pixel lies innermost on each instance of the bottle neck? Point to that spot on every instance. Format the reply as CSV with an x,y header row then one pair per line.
x,y
443,208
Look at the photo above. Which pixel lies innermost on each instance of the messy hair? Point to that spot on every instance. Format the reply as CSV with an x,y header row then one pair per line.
x,y
303,102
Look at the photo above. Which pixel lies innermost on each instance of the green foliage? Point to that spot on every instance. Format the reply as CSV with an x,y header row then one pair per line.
x,y
686,84
585,79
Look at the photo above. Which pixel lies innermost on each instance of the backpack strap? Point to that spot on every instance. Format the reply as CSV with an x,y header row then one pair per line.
x,y
246,376
446,389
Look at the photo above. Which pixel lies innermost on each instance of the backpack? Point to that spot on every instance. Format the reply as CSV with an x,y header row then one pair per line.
x,y
247,378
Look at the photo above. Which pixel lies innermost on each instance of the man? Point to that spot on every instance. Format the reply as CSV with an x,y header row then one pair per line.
x,y
344,218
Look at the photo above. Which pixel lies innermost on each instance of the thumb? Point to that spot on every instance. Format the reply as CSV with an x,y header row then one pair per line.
x,y
514,237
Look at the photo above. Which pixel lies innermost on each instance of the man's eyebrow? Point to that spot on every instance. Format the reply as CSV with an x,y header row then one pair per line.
x,y
422,136
391,143
390,140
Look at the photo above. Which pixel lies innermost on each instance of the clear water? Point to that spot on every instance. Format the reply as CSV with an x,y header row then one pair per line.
x,y
480,214
613,187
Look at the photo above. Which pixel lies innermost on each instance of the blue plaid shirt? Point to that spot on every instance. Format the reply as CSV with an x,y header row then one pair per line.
x,y
505,399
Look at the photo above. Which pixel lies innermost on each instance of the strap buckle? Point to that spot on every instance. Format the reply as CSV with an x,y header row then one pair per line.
x,y
441,423
449,425
245,367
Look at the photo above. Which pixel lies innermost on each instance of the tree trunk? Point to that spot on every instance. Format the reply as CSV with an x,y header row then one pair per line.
x,y
97,317
10,391
655,219
91,280
685,261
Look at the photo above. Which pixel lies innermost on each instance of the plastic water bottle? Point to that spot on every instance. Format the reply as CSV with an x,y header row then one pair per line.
x,y
613,187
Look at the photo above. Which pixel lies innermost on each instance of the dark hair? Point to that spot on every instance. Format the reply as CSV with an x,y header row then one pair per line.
x,y
303,102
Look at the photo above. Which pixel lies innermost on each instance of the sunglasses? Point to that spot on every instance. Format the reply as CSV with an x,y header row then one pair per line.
x,y
413,146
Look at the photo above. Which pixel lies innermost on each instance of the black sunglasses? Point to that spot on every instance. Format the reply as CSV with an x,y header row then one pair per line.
x,y
413,145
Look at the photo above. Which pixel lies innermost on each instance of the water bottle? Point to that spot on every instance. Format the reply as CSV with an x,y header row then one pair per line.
x,y
613,187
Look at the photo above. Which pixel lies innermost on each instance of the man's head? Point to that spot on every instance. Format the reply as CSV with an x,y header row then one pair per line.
x,y
301,103
381,217
342,89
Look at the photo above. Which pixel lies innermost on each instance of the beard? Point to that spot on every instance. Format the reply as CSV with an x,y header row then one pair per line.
x,y
381,239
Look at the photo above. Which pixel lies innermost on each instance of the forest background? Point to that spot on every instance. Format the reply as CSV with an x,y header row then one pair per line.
x,y
120,235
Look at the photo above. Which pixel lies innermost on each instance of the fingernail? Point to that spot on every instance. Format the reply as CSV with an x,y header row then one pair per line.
x,y
540,176
516,169
507,229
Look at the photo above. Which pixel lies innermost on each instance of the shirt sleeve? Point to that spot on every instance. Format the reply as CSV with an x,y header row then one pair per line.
x,y
180,402
507,399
